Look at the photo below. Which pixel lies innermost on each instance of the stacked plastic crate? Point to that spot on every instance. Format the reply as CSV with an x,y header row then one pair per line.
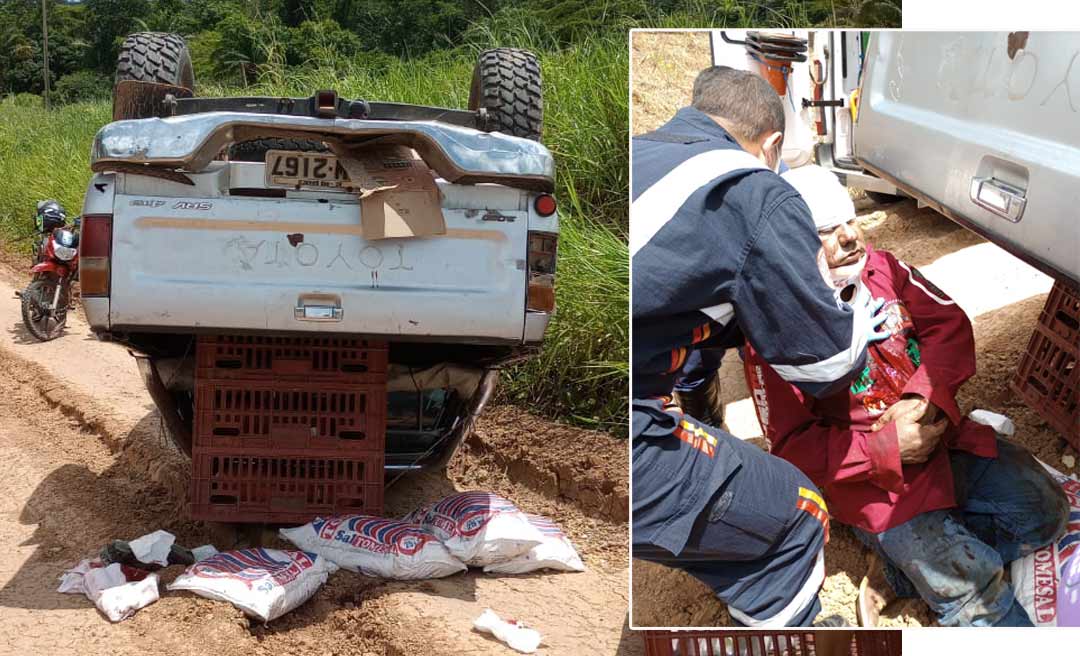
x,y
287,429
717,642
1048,377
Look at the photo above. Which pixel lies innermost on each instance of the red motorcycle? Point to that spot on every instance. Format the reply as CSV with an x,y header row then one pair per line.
x,y
47,299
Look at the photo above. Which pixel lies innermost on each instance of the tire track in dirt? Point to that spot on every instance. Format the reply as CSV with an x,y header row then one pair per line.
x,y
89,463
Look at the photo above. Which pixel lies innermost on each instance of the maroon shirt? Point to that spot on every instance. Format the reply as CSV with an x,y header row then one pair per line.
x,y
930,352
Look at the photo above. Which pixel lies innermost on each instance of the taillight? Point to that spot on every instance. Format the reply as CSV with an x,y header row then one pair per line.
x,y
545,205
541,262
95,250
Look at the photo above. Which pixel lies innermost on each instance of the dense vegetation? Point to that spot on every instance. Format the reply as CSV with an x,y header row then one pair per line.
x,y
233,39
419,51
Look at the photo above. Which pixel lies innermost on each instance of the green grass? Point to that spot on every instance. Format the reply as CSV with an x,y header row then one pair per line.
x,y
44,155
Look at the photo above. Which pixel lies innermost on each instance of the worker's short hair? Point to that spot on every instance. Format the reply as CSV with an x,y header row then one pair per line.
x,y
745,101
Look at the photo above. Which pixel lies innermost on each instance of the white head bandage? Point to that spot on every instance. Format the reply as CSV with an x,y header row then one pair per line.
x,y
828,200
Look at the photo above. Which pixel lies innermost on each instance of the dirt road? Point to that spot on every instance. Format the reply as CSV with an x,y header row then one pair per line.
x,y
86,462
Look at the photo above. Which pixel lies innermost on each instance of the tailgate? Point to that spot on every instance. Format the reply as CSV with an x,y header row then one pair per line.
x,y
984,127
217,260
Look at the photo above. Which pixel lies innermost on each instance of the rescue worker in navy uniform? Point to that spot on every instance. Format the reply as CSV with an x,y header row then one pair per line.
x,y
722,248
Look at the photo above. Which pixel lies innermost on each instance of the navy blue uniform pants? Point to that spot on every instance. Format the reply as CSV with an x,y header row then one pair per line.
x,y
699,366
748,524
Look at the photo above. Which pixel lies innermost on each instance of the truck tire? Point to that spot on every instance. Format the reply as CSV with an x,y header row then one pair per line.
x,y
506,83
255,151
156,57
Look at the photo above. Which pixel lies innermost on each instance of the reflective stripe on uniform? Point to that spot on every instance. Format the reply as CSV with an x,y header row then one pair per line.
x,y
678,358
806,595
659,203
696,437
701,333
721,313
811,503
837,366
813,496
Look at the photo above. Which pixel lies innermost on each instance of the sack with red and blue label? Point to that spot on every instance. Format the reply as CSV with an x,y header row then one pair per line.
x,y
1037,577
555,552
264,583
479,528
375,546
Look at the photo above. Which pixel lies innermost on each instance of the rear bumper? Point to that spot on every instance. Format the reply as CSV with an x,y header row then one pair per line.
x,y
97,313
458,154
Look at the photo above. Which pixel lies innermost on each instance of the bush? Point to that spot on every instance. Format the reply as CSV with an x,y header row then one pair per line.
x,y
320,43
205,48
24,100
80,87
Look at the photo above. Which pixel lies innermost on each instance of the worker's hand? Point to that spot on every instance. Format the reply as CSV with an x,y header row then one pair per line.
x,y
917,441
877,317
914,409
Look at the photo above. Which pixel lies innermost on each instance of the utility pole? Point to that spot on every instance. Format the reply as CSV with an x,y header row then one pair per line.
x,y
45,48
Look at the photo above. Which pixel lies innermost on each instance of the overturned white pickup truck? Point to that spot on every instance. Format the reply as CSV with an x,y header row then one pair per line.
x,y
431,229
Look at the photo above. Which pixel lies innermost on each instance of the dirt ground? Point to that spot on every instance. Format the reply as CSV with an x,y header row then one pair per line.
x,y
87,462
662,69
1000,294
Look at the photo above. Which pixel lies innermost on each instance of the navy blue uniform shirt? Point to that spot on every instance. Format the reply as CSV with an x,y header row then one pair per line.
x,y
722,249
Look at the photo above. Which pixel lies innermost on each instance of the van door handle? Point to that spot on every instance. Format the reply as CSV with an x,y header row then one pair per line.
x,y
1000,198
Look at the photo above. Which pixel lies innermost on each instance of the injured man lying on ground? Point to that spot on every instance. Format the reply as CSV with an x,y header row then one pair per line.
x,y
943,502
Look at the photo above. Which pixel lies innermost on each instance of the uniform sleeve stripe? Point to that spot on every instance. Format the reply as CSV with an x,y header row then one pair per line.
x,y
836,367
913,280
659,203
825,371
813,496
720,313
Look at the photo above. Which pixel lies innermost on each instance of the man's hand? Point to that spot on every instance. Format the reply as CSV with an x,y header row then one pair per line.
x,y
914,409
917,441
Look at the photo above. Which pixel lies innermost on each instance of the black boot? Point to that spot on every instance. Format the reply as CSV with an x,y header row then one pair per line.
x,y
704,403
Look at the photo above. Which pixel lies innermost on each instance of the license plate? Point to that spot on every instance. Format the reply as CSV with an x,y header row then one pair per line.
x,y
296,170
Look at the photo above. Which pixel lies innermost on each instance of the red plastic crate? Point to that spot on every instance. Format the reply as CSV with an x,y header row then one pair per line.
x,y
762,643
283,488
725,643
1048,378
283,414
312,358
1061,314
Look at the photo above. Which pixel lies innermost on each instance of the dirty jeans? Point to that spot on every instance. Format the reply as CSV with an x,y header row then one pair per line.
x,y
955,559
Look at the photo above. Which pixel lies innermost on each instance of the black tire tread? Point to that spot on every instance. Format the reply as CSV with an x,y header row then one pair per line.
x,y
506,83
155,57
255,150
34,291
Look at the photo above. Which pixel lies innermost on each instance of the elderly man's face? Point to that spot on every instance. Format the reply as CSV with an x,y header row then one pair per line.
x,y
844,247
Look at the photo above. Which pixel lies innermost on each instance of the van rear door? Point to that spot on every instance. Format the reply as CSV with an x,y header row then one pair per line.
x,y
985,128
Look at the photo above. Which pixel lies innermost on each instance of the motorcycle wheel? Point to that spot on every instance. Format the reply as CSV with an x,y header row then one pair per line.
x,y
35,300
